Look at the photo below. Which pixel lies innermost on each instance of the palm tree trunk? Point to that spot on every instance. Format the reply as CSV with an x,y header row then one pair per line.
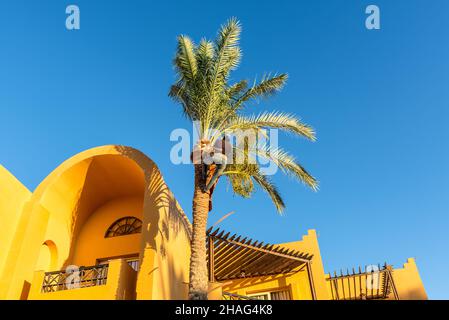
x,y
199,281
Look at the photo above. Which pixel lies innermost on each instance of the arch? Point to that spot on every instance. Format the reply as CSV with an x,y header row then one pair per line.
x,y
124,226
93,231
63,202
48,256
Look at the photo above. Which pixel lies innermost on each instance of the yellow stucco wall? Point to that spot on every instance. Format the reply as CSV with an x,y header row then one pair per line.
x,y
309,244
296,284
408,282
165,245
13,196
93,232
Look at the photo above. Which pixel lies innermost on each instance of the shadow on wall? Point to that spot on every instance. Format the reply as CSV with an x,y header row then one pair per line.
x,y
108,178
245,283
413,294
166,235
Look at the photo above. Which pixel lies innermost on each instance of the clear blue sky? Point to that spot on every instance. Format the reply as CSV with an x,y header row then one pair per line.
x,y
379,101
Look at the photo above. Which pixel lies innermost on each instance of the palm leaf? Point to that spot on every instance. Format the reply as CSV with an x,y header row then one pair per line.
x,y
237,88
271,190
266,88
287,163
185,60
274,120
242,178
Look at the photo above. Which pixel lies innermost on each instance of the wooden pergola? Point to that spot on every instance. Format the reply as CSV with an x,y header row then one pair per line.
x,y
232,257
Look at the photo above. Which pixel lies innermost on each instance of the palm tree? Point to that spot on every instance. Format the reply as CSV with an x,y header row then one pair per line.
x,y
207,98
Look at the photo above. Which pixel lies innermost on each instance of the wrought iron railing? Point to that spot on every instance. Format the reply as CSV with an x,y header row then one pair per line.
x,y
233,296
376,283
75,278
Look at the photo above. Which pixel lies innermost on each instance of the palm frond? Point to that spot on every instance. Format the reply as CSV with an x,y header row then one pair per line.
x,y
227,51
275,120
248,174
204,57
244,154
271,190
287,163
240,178
226,58
205,53
185,60
237,88
178,94
267,87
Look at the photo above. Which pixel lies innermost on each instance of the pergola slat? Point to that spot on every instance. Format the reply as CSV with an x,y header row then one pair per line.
x,y
241,264
225,263
235,266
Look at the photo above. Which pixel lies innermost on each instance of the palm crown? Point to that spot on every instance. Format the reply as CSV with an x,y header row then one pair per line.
x,y
206,96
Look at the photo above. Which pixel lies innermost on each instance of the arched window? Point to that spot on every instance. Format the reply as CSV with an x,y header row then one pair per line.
x,y
124,226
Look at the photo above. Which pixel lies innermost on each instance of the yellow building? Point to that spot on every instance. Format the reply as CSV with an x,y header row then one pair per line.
x,y
104,225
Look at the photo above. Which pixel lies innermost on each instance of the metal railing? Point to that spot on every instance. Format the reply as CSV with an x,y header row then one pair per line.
x,y
77,278
233,296
373,284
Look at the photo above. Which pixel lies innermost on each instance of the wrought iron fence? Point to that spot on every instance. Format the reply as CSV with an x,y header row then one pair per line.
x,y
79,278
233,296
373,284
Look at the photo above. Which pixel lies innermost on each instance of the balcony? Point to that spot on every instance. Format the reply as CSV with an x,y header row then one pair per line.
x,y
113,281
86,277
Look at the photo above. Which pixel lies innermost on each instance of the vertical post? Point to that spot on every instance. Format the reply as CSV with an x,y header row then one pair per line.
x,y
393,286
349,283
332,287
335,281
355,284
342,278
312,286
378,280
360,283
211,260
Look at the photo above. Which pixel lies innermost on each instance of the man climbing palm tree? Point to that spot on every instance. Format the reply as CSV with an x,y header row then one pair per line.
x,y
207,97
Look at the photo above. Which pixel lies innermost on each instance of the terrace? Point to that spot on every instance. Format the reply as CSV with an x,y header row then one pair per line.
x,y
111,281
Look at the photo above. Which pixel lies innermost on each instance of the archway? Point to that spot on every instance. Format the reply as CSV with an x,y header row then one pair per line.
x,y
80,190
48,256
